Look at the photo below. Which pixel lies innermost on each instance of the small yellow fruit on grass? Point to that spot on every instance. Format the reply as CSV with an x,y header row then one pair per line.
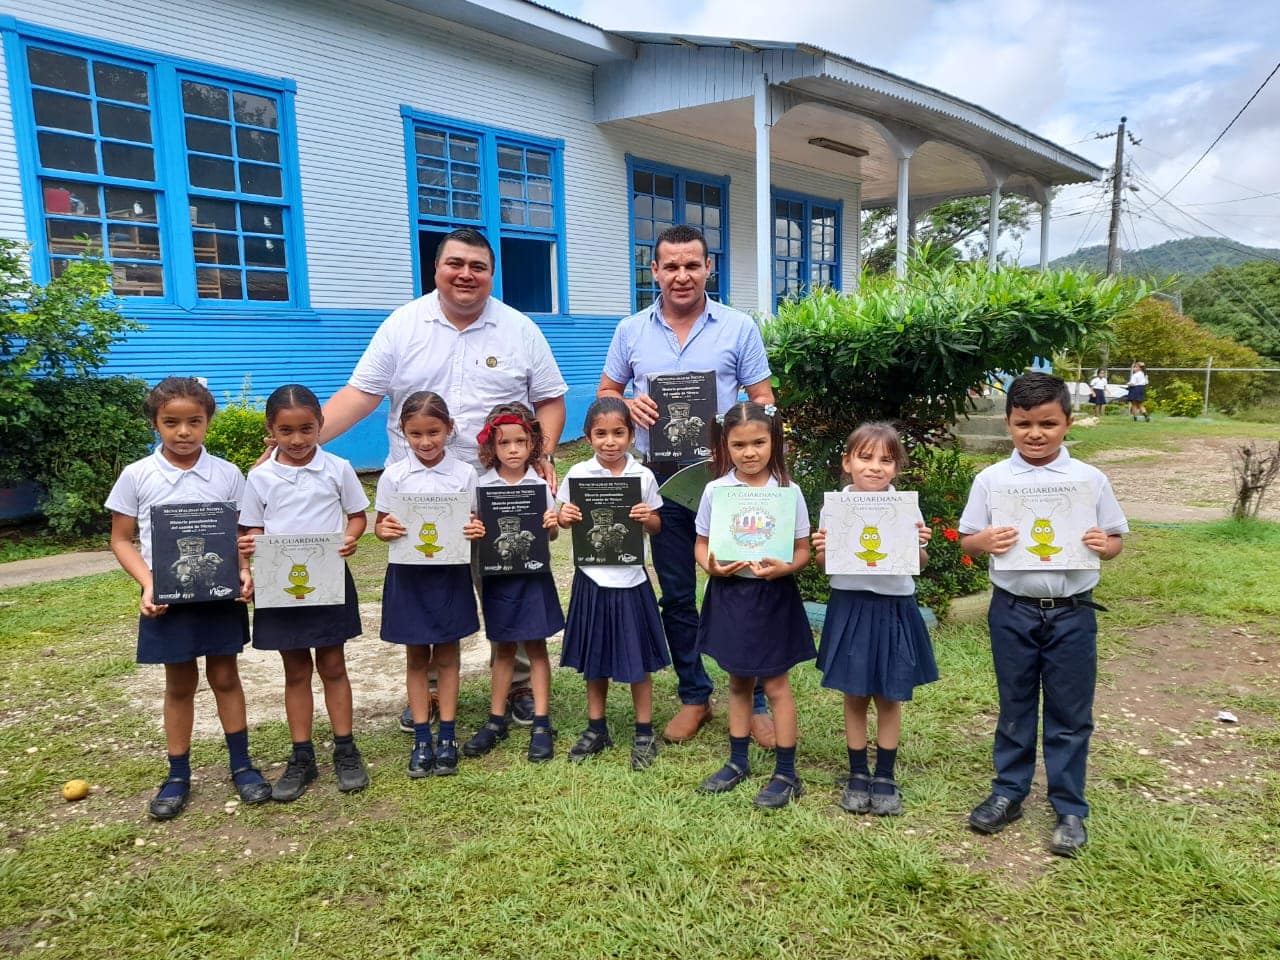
x,y
75,790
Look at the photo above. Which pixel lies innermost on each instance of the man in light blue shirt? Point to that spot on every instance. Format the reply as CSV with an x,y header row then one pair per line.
x,y
685,331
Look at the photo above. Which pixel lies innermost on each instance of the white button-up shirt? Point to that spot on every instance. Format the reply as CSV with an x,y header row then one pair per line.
x,y
314,498
411,475
1047,583
502,357
490,478
702,522
605,575
153,480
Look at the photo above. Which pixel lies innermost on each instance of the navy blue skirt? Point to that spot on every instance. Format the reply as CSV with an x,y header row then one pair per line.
x,y
190,630
613,633
426,604
1138,394
279,628
755,628
521,607
1098,397
875,645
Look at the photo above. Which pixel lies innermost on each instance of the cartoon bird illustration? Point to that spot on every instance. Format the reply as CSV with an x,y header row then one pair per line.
x,y
870,540
298,577
1042,534
429,536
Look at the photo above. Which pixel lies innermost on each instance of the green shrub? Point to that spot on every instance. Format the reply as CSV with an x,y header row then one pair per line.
x,y
1177,398
237,430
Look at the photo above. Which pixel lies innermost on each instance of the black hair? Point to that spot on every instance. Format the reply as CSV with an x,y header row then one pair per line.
x,y
1034,389
289,396
681,233
427,404
736,416
467,237
488,451
871,436
605,406
172,388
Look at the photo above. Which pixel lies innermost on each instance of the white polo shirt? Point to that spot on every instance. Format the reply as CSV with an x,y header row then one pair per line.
x,y
702,522
1036,583
502,357
314,498
889,585
490,478
619,576
152,480
411,475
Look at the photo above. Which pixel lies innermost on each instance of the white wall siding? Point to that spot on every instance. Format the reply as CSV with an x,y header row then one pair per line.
x,y
12,224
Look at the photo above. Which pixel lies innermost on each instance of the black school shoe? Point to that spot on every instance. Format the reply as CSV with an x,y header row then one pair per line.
x,y
520,706
485,739
166,808
252,791
422,759
1069,836
300,771
542,744
349,768
778,792
994,814
589,744
446,758
644,750
887,804
856,796
724,779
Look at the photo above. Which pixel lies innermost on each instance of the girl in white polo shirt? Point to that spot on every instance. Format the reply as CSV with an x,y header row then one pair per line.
x,y
182,471
299,489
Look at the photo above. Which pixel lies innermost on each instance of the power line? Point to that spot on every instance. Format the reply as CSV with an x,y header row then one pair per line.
x,y
1224,131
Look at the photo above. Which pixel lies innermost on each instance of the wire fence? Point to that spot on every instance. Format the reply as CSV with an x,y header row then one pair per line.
x,y
1218,388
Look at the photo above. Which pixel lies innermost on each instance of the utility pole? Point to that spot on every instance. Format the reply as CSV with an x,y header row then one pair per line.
x,y
1117,178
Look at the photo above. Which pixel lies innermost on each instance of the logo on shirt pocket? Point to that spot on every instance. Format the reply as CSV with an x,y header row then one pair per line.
x,y
490,362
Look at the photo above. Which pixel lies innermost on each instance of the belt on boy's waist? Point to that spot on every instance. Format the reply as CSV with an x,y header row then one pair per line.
x,y
1055,603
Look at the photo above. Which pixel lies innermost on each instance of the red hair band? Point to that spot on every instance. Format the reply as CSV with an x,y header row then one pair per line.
x,y
483,436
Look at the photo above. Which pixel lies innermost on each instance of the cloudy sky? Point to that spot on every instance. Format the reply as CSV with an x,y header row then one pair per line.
x,y
1179,69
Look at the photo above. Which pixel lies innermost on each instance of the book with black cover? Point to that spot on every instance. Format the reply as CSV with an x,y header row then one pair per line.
x,y
193,552
606,535
686,406
514,539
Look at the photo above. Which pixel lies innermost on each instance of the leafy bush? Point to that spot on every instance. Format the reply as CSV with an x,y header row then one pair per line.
x,y
1178,398
237,430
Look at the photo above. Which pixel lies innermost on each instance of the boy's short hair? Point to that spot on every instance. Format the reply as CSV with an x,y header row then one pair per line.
x,y
1033,389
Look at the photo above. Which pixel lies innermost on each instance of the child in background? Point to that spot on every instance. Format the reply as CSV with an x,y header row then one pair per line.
x,y
1098,391
614,630
301,488
1137,386
753,620
1043,624
874,641
521,607
427,608
182,471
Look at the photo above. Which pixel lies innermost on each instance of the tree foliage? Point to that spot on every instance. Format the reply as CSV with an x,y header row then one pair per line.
x,y
1241,303
951,231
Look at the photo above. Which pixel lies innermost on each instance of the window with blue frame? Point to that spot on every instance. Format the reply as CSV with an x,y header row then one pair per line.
x,y
664,196
806,244
507,185
177,174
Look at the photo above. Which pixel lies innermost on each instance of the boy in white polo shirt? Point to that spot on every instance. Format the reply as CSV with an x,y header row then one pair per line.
x,y
1043,623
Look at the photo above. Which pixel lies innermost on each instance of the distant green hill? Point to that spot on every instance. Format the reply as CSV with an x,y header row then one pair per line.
x,y
1190,257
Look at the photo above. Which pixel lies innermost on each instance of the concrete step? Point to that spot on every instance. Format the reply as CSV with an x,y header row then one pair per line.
x,y
984,444
977,405
984,425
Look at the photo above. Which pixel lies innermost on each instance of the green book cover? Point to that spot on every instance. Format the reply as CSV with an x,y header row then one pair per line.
x,y
751,523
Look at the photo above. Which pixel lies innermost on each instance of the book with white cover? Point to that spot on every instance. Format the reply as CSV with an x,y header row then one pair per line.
x,y
298,570
872,532
435,522
1051,519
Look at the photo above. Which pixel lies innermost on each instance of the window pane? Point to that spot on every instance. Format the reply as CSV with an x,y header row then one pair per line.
x,y
642,182
62,112
508,187
124,123
133,243
76,199
137,280
538,163
71,236
255,218
215,284
693,215
61,152
711,216
664,186
264,252
467,209
219,248
429,143
211,174
49,69
540,216
131,205
259,111
513,212
206,137
711,197
432,174
259,180
510,158
433,203
662,210
466,149
204,100
267,286
219,214
464,179
130,163
257,145
642,206
644,230
528,270
114,82
539,189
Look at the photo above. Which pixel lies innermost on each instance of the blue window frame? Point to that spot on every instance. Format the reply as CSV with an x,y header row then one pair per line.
x,y
806,244
507,185
181,175
663,196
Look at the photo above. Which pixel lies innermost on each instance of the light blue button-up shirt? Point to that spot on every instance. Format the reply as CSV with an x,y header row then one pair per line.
x,y
723,340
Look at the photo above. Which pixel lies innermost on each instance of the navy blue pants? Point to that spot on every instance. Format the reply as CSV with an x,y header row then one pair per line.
x,y
678,576
1054,650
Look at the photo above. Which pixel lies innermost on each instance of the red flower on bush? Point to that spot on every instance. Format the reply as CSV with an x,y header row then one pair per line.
x,y
951,534
967,561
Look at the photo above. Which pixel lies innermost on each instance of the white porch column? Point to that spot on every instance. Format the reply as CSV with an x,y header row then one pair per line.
x,y
764,204
1045,207
993,227
904,215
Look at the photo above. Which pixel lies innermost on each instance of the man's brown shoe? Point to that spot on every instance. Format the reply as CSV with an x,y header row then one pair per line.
x,y
687,722
762,731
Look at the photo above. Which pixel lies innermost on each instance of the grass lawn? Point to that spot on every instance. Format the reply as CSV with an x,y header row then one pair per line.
x,y
1118,431
513,860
